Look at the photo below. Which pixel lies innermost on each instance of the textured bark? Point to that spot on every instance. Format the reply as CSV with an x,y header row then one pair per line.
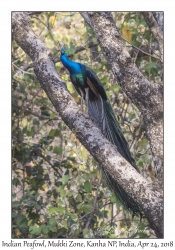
x,y
155,29
147,96
158,15
86,18
148,196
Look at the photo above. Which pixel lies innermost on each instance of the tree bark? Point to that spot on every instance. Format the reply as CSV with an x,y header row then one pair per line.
x,y
148,196
158,15
155,29
148,97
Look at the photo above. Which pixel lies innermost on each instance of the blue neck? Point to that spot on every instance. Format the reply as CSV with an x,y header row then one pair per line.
x,y
73,67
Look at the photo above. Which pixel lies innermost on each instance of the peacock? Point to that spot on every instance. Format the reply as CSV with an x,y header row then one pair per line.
x,y
101,113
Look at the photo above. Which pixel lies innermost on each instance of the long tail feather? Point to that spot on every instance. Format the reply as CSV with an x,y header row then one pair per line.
x,y
103,117
117,136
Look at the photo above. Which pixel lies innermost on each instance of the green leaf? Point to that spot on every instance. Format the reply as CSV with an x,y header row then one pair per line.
x,y
143,235
15,182
141,226
55,132
52,221
26,78
104,79
35,230
64,179
140,163
70,50
79,198
22,222
49,193
14,215
105,213
52,132
88,233
57,150
85,176
52,115
63,192
60,209
131,116
87,208
16,204
69,193
72,216
52,228
143,143
58,183
88,187
22,86
113,198
116,88
151,65
45,229
52,210
51,13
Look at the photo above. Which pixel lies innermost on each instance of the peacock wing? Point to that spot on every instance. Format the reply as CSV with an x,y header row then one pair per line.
x,y
92,78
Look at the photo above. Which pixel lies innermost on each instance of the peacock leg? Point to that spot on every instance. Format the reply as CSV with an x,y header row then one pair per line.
x,y
82,94
87,99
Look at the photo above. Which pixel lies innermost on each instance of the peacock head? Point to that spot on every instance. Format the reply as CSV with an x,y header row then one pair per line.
x,y
63,51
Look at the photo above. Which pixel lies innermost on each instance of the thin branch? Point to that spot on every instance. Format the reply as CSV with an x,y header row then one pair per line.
x,y
155,29
144,52
23,68
19,69
48,28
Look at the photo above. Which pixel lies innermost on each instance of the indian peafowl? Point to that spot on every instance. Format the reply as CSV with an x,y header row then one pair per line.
x,y
100,111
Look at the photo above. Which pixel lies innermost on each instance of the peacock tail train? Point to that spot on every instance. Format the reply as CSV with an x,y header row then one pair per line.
x,y
101,113
105,120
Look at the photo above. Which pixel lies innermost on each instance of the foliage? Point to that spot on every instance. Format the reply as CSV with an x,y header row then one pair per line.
x,y
54,179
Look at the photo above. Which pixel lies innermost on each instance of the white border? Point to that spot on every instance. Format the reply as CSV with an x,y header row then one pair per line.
x,y
5,95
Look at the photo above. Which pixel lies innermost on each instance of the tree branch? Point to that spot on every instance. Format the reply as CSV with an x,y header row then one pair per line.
x,y
148,97
155,29
86,18
144,52
149,198
88,21
158,15
31,13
